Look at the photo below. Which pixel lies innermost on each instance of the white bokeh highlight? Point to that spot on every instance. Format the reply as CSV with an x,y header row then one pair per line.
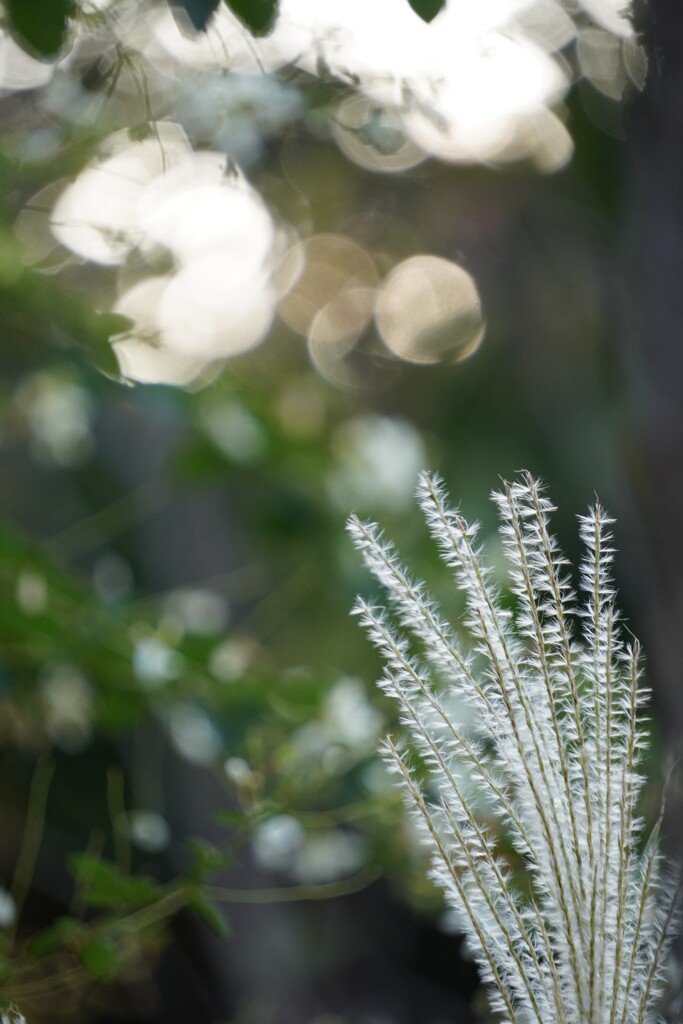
x,y
159,196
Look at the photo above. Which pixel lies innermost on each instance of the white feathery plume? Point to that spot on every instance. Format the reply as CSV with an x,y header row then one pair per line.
x,y
548,741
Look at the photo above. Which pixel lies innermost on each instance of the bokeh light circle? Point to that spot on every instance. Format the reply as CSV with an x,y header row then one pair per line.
x,y
428,309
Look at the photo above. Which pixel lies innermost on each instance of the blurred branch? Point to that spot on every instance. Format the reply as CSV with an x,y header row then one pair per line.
x,y
126,511
33,834
297,893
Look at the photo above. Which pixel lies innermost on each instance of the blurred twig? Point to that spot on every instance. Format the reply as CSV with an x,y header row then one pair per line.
x,y
33,834
131,508
296,893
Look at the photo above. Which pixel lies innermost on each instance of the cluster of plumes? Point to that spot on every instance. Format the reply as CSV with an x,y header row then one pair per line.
x,y
532,735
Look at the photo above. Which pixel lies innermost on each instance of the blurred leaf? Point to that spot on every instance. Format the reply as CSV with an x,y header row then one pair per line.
x,y
37,310
207,858
117,711
72,628
101,958
43,26
105,884
258,15
197,461
199,12
52,938
210,913
233,819
427,9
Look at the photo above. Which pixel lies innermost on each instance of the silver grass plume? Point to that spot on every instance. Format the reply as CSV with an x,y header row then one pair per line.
x,y
531,732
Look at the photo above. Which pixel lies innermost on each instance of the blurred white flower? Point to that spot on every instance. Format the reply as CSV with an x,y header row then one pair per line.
x,y
32,592
277,841
314,745
239,112
59,417
154,662
238,771
230,660
193,734
378,461
234,430
198,610
69,707
345,733
329,855
350,716
148,831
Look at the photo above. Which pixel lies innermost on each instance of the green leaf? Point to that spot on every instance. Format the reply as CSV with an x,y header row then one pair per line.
x,y
37,311
427,9
40,25
110,324
199,12
101,958
258,15
212,914
52,938
118,711
206,857
233,819
105,885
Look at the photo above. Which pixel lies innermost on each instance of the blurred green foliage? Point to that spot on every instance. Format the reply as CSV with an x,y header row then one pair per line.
x,y
41,27
427,9
258,15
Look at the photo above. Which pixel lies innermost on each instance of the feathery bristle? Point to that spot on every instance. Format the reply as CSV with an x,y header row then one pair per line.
x,y
549,739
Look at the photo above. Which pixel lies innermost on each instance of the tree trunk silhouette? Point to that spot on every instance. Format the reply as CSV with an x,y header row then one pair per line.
x,y
654,259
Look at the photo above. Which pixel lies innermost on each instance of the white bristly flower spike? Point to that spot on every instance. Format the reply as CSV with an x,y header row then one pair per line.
x,y
531,732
